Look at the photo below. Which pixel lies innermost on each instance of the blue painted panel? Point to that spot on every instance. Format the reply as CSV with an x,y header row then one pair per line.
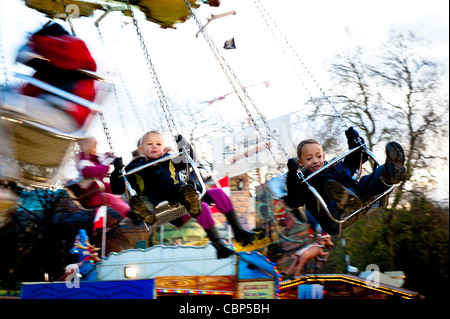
x,y
252,265
124,289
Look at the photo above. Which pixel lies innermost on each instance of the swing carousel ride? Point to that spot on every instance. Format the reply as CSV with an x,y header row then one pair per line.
x,y
35,152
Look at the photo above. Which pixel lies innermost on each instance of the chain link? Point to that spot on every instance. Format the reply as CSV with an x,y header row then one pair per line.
x,y
287,46
108,135
123,85
162,98
116,96
230,76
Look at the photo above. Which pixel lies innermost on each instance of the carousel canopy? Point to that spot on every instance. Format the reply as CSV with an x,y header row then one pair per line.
x,y
166,13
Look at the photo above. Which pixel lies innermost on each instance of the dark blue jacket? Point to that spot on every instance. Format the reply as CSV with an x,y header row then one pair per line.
x,y
154,183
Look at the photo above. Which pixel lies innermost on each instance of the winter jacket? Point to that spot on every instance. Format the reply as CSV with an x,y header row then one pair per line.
x,y
154,183
93,172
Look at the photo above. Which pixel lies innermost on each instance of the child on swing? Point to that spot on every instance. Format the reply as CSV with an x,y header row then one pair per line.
x,y
218,198
58,59
94,168
340,191
155,184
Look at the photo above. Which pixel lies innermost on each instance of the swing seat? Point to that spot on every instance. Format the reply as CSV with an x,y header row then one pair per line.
x,y
377,202
37,151
77,193
165,213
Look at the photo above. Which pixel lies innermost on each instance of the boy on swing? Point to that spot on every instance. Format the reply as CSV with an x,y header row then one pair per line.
x,y
342,194
159,183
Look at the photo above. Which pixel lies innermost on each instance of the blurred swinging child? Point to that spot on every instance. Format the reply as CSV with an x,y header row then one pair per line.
x,y
94,168
159,183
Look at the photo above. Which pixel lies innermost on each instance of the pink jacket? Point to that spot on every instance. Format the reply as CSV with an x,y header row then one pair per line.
x,y
93,172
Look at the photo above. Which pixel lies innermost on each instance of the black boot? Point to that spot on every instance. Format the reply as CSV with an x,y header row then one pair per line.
x,y
242,236
188,197
346,200
222,250
394,170
135,218
139,208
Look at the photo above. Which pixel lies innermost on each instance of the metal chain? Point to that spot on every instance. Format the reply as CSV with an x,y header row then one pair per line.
x,y
227,69
108,135
162,98
271,24
102,117
123,85
116,95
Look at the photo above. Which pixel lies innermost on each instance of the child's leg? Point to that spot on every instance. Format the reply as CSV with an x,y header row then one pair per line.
x,y
343,199
220,199
224,205
207,222
117,204
205,217
372,185
188,197
110,200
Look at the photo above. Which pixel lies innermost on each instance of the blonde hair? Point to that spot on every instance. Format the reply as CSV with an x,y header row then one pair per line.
x,y
141,140
84,143
304,142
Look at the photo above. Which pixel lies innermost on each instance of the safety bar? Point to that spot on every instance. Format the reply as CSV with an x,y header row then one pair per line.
x,y
163,159
184,153
341,221
322,202
337,159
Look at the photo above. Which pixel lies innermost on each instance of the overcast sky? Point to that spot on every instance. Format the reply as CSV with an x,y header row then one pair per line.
x,y
189,72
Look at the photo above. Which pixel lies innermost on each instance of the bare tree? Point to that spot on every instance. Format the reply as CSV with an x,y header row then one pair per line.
x,y
417,110
395,95
359,103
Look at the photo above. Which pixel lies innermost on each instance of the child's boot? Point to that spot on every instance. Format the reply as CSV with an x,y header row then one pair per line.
x,y
139,208
222,250
394,170
242,236
188,197
346,200
135,218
